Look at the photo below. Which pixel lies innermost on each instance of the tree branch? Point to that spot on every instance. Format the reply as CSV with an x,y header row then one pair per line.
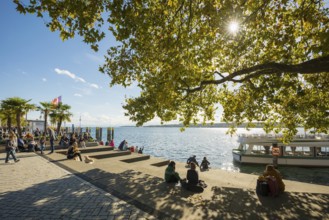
x,y
317,65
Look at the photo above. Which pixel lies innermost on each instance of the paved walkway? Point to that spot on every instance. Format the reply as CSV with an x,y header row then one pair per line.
x,y
35,188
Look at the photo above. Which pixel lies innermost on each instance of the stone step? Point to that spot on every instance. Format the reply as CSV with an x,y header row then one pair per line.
x,y
89,150
161,164
136,158
108,154
96,149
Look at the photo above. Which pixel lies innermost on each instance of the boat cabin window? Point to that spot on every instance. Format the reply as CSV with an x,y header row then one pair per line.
x,y
322,151
298,151
258,149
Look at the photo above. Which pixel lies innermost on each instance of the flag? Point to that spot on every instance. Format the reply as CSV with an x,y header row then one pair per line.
x,y
57,100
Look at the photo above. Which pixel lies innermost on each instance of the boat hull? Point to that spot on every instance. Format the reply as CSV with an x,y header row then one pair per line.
x,y
285,160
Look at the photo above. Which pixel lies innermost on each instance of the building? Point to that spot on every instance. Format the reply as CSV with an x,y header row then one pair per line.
x,y
34,124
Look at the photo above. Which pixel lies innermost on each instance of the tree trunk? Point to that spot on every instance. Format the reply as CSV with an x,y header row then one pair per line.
x,y
45,126
59,125
18,121
9,123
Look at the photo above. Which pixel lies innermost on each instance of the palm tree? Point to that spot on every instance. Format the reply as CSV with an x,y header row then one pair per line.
x,y
19,107
45,109
61,114
6,113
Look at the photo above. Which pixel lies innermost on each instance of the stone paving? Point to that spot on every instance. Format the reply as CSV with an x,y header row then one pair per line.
x,y
35,188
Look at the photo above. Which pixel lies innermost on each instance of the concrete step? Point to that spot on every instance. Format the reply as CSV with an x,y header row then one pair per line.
x,y
88,149
96,149
136,158
108,154
123,156
161,164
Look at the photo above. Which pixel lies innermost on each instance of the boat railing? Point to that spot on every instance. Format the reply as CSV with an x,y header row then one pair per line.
x,y
278,136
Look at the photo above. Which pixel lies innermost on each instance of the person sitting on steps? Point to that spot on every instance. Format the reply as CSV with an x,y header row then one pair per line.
x,y
73,152
192,159
204,164
271,171
171,176
193,183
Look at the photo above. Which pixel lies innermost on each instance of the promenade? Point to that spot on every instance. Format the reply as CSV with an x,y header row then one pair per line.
x,y
123,185
35,188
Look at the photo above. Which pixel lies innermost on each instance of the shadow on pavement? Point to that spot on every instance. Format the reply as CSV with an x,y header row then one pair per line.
x,y
168,201
65,198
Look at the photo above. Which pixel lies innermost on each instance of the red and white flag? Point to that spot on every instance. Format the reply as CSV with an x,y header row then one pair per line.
x,y
57,100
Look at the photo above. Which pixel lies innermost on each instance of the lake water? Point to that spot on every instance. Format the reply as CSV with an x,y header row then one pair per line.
x,y
213,143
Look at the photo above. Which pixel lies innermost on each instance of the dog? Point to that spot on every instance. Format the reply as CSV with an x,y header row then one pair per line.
x,y
88,160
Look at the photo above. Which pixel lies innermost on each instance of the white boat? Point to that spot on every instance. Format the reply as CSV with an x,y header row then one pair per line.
x,y
304,151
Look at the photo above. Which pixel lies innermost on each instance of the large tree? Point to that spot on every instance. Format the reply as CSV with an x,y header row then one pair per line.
x,y
273,68
18,107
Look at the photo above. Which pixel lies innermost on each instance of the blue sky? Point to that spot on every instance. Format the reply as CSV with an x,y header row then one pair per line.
x,y
36,64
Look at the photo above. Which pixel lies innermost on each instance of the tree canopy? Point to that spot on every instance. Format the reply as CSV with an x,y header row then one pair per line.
x,y
185,60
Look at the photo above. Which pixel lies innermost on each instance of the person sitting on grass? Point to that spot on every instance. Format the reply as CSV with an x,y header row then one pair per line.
x,y
73,152
171,176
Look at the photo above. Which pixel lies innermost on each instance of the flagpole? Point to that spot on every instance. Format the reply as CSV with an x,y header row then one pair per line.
x,y
80,126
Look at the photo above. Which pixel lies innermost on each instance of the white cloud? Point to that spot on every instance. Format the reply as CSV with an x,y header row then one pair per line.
x,y
94,85
44,79
78,95
69,74
80,79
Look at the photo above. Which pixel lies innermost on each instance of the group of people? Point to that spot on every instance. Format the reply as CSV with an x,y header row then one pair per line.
x,y
204,163
66,141
192,181
16,143
194,184
123,146
28,143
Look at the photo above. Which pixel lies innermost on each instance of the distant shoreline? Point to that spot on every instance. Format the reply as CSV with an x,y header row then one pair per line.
x,y
215,125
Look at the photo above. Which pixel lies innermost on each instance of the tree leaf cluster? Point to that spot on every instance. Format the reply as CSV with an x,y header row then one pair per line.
x,y
185,60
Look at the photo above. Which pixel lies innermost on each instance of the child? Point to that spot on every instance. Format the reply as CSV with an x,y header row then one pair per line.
x,y
42,144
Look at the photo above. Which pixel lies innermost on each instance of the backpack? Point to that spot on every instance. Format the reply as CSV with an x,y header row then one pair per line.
x,y
262,188
273,186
